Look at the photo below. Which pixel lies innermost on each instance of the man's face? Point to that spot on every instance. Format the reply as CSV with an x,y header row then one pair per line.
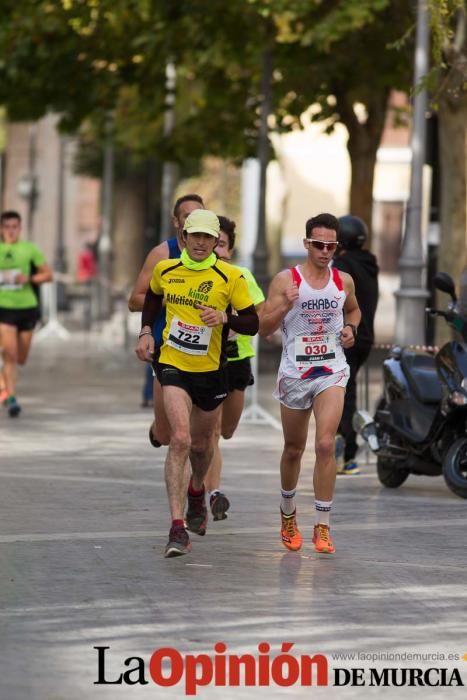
x,y
321,257
199,245
222,247
184,210
10,230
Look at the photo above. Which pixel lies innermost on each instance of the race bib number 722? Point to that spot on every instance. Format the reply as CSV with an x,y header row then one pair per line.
x,y
189,338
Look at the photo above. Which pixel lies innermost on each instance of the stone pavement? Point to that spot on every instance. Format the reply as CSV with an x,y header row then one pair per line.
x,y
84,523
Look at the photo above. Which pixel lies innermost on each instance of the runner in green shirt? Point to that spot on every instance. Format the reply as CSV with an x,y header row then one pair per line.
x,y
22,267
239,351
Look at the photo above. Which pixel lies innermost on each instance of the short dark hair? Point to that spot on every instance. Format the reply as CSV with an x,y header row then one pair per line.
x,y
187,198
321,221
10,214
228,227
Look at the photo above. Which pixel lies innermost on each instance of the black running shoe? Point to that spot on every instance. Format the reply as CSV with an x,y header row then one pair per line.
x,y
178,544
14,409
219,504
197,514
152,439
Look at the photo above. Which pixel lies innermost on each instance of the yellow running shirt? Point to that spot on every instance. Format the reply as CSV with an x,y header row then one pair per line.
x,y
188,344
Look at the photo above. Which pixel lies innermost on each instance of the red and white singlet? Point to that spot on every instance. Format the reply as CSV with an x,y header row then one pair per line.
x,y
311,345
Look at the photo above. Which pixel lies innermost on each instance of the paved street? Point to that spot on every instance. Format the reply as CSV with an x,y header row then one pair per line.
x,y
84,523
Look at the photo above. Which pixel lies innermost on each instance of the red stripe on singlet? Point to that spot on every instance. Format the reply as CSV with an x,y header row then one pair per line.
x,y
337,279
296,276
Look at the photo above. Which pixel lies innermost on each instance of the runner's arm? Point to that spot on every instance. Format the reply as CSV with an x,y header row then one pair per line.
x,y
136,300
352,313
42,274
283,293
245,323
151,309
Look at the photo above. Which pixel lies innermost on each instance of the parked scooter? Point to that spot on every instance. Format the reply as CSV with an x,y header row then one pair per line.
x,y
420,424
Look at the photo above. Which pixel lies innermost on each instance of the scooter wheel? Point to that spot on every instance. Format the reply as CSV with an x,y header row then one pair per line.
x,y
389,475
455,467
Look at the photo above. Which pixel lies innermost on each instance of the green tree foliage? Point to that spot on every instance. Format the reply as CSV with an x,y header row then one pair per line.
x,y
82,57
448,31
75,57
86,58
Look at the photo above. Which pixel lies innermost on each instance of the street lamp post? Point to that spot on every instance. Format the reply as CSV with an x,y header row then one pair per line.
x,y
105,239
260,255
169,169
27,184
32,199
60,261
412,295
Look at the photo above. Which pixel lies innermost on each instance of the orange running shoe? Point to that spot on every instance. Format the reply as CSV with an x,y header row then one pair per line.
x,y
290,534
322,539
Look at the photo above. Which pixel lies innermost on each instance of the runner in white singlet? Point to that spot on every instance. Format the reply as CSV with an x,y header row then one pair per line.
x,y
316,308
311,342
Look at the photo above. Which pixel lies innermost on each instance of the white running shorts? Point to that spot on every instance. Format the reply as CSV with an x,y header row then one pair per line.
x,y
299,393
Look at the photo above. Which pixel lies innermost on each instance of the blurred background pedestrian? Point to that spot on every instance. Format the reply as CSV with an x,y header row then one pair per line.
x,y
362,265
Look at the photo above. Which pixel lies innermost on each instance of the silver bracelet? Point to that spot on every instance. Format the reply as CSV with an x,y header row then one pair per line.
x,y
144,333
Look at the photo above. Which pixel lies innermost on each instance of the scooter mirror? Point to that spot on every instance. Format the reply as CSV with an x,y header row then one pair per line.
x,y
444,283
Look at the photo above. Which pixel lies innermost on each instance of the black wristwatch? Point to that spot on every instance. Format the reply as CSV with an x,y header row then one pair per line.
x,y
354,329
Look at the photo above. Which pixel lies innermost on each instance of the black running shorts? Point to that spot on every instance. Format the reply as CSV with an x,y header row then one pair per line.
x,y
207,390
23,319
239,375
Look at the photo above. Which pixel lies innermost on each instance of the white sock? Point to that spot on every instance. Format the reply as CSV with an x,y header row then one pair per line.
x,y
323,512
288,501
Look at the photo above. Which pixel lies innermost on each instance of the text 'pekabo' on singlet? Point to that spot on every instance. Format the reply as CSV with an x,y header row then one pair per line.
x,y
311,344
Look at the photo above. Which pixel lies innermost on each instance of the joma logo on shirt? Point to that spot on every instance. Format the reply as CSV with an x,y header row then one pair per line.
x,y
176,280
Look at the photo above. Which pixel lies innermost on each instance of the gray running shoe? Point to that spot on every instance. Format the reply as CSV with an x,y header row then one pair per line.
x,y
219,504
178,544
197,514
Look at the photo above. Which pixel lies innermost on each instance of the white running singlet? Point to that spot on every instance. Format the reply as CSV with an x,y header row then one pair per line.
x,y
311,345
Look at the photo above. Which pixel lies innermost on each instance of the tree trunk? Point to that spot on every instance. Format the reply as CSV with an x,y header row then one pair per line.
x,y
452,254
363,144
128,234
453,156
363,160
260,255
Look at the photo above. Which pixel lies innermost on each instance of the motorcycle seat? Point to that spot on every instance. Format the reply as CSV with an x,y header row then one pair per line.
x,y
420,371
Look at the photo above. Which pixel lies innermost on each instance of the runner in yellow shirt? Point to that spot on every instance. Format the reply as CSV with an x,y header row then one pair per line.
x,y
199,291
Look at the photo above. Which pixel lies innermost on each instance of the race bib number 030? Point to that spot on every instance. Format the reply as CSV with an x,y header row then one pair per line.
x,y
189,338
314,350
